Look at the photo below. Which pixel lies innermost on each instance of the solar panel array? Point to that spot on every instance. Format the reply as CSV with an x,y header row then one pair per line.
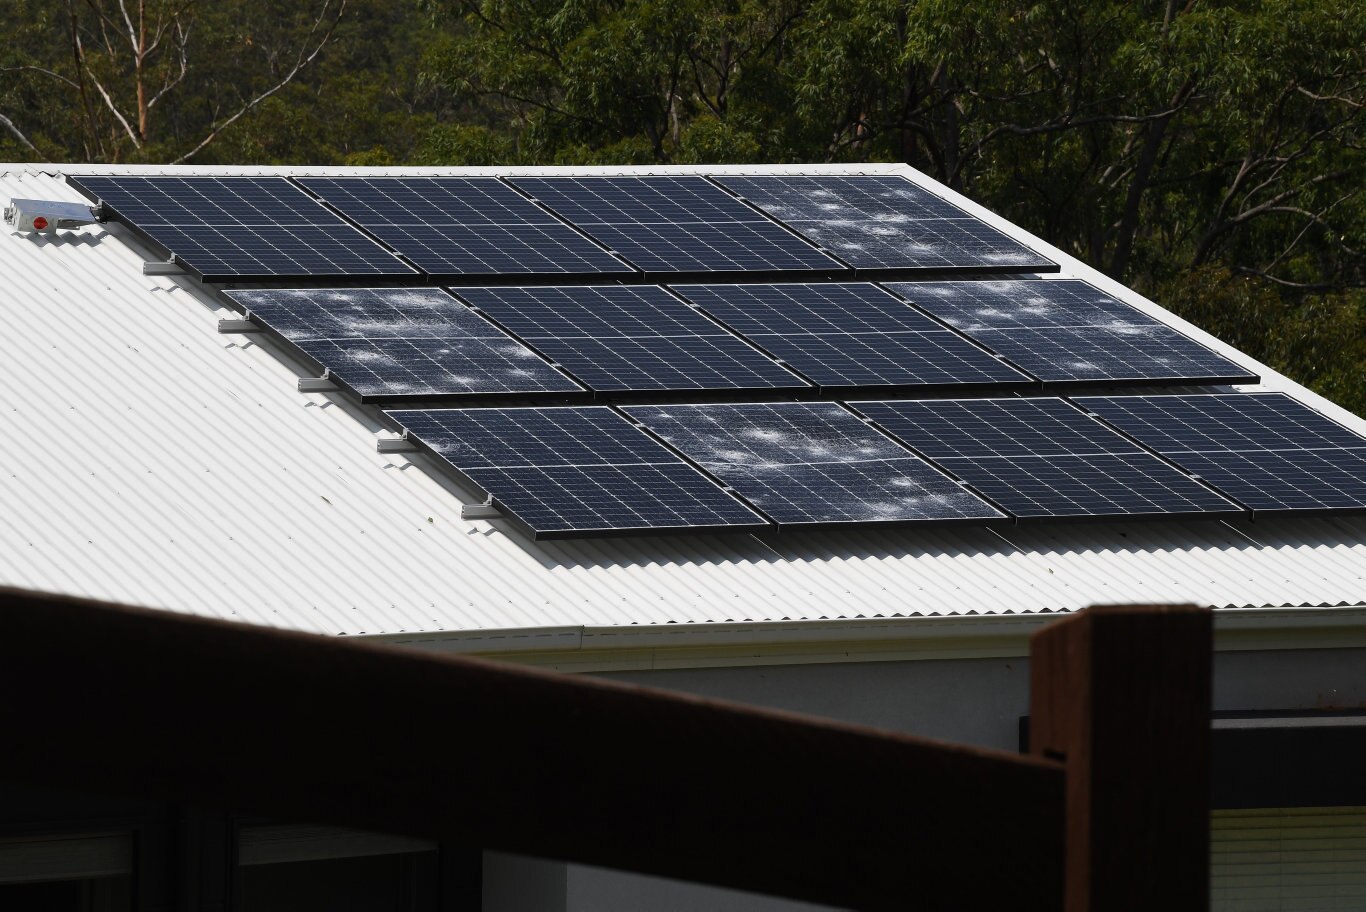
x,y
244,228
630,338
390,344
812,462
676,224
1043,457
851,336
553,303
1071,331
457,226
1265,450
885,222
584,470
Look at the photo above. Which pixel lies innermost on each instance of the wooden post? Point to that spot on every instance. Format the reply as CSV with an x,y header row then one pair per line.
x,y
1121,696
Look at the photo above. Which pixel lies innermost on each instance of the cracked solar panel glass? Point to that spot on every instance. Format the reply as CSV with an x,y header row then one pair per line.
x,y
1265,450
812,462
458,226
243,228
1044,458
675,224
630,338
1070,331
885,222
577,471
850,336
395,343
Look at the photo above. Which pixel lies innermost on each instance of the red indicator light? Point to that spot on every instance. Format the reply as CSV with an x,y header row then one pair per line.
x,y
40,223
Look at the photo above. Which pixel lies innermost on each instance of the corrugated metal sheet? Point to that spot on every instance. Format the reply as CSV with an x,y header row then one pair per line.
x,y
145,458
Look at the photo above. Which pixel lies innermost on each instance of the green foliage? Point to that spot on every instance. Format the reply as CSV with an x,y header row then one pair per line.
x,y
1319,340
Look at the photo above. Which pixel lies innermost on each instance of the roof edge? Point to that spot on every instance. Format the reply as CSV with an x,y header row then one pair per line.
x,y
708,645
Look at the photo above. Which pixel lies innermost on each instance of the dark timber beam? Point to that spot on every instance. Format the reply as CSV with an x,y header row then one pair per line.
x,y
318,729
1121,695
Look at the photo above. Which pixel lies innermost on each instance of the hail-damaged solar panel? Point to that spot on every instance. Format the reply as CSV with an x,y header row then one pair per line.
x,y
1069,331
630,338
847,337
451,227
676,224
399,344
226,229
805,463
576,471
884,222
1044,458
1265,450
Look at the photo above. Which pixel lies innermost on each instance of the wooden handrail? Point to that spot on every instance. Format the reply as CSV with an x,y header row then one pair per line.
x,y
122,700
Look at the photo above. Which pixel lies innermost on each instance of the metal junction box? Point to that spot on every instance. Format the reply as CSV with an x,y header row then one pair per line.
x,y
47,215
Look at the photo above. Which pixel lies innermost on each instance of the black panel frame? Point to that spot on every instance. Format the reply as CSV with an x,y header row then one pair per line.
x,y
415,276
1006,520
506,514
1070,387
893,273
629,274
409,400
1238,511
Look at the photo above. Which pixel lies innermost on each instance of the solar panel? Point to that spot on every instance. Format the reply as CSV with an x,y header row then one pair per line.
x,y
243,228
630,338
851,336
399,343
812,462
675,224
1265,450
885,222
459,226
1043,458
576,471
1070,331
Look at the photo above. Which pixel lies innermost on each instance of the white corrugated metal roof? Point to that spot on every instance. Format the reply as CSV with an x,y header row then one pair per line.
x,y
145,458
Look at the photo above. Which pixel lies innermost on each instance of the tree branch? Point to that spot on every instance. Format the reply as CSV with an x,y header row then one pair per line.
x,y
45,72
15,131
300,63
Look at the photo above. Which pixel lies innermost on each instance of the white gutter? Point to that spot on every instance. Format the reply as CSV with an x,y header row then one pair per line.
x,y
621,648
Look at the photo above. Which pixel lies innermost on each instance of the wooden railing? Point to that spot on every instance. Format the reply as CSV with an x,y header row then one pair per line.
x,y
1110,812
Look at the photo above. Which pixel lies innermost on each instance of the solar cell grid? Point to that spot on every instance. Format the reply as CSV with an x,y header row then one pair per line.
x,y
675,224
454,226
884,222
850,335
804,463
1223,423
630,338
1266,450
1070,331
1043,458
243,227
390,343
576,471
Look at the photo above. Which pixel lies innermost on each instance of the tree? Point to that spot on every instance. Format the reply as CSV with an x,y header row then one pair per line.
x,y
125,61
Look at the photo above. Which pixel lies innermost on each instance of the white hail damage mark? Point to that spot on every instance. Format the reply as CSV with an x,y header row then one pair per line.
x,y
370,358
1129,329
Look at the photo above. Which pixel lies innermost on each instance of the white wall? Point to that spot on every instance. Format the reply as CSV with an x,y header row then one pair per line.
x,y
972,701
